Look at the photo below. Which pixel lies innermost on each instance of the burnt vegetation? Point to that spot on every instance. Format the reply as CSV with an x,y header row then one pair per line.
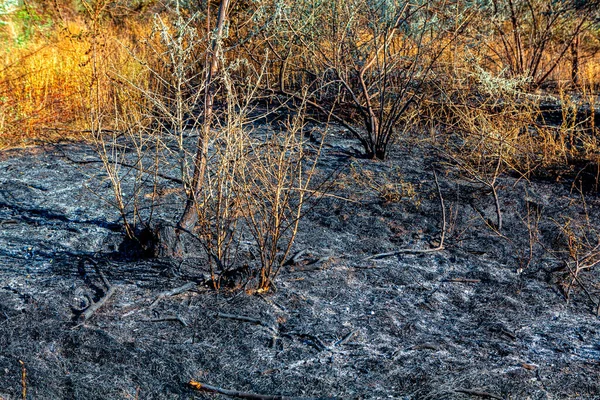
x,y
299,199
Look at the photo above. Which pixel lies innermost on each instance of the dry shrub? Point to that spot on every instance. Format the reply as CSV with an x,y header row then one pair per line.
x,y
367,76
275,184
516,91
544,41
487,127
256,180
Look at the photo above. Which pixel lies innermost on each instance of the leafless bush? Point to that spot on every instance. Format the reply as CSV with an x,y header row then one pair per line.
x,y
530,39
236,182
364,63
275,185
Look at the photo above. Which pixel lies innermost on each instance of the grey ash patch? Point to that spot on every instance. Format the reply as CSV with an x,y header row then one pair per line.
x,y
483,317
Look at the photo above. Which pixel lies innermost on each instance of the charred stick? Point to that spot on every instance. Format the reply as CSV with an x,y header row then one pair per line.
x,y
425,346
313,340
508,334
176,318
245,395
345,339
104,280
173,292
478,393
87,314
401,251
245,319
462,280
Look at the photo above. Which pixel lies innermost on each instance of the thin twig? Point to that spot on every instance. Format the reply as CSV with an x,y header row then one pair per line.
x,y
23,380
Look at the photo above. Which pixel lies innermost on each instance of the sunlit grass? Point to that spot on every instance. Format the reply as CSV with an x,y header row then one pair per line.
x,y
55,78
46,85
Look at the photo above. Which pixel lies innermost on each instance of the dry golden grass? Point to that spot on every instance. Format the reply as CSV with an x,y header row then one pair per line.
x,y
46,85
62,77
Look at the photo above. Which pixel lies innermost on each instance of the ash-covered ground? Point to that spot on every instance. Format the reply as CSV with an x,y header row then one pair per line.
x,y
486,317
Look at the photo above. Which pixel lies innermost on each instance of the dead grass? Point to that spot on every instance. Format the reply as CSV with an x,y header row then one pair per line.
x,y
46,84
47,75
489,125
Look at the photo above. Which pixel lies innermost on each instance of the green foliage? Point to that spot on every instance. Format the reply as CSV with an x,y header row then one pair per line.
x,y
20,22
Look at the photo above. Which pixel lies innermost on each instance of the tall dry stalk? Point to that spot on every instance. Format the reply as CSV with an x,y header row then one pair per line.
x,y
213,56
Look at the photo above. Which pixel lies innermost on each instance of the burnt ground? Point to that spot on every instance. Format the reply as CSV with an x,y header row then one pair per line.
x,y
487,317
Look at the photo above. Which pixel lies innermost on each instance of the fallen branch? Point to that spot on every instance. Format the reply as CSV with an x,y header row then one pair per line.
x,y
420,251
175,318
479,393
246,319
173,292
402,251
245,395
462,280
110,290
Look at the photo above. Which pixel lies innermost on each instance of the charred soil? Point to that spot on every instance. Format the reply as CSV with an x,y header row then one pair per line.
x,y
508,314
